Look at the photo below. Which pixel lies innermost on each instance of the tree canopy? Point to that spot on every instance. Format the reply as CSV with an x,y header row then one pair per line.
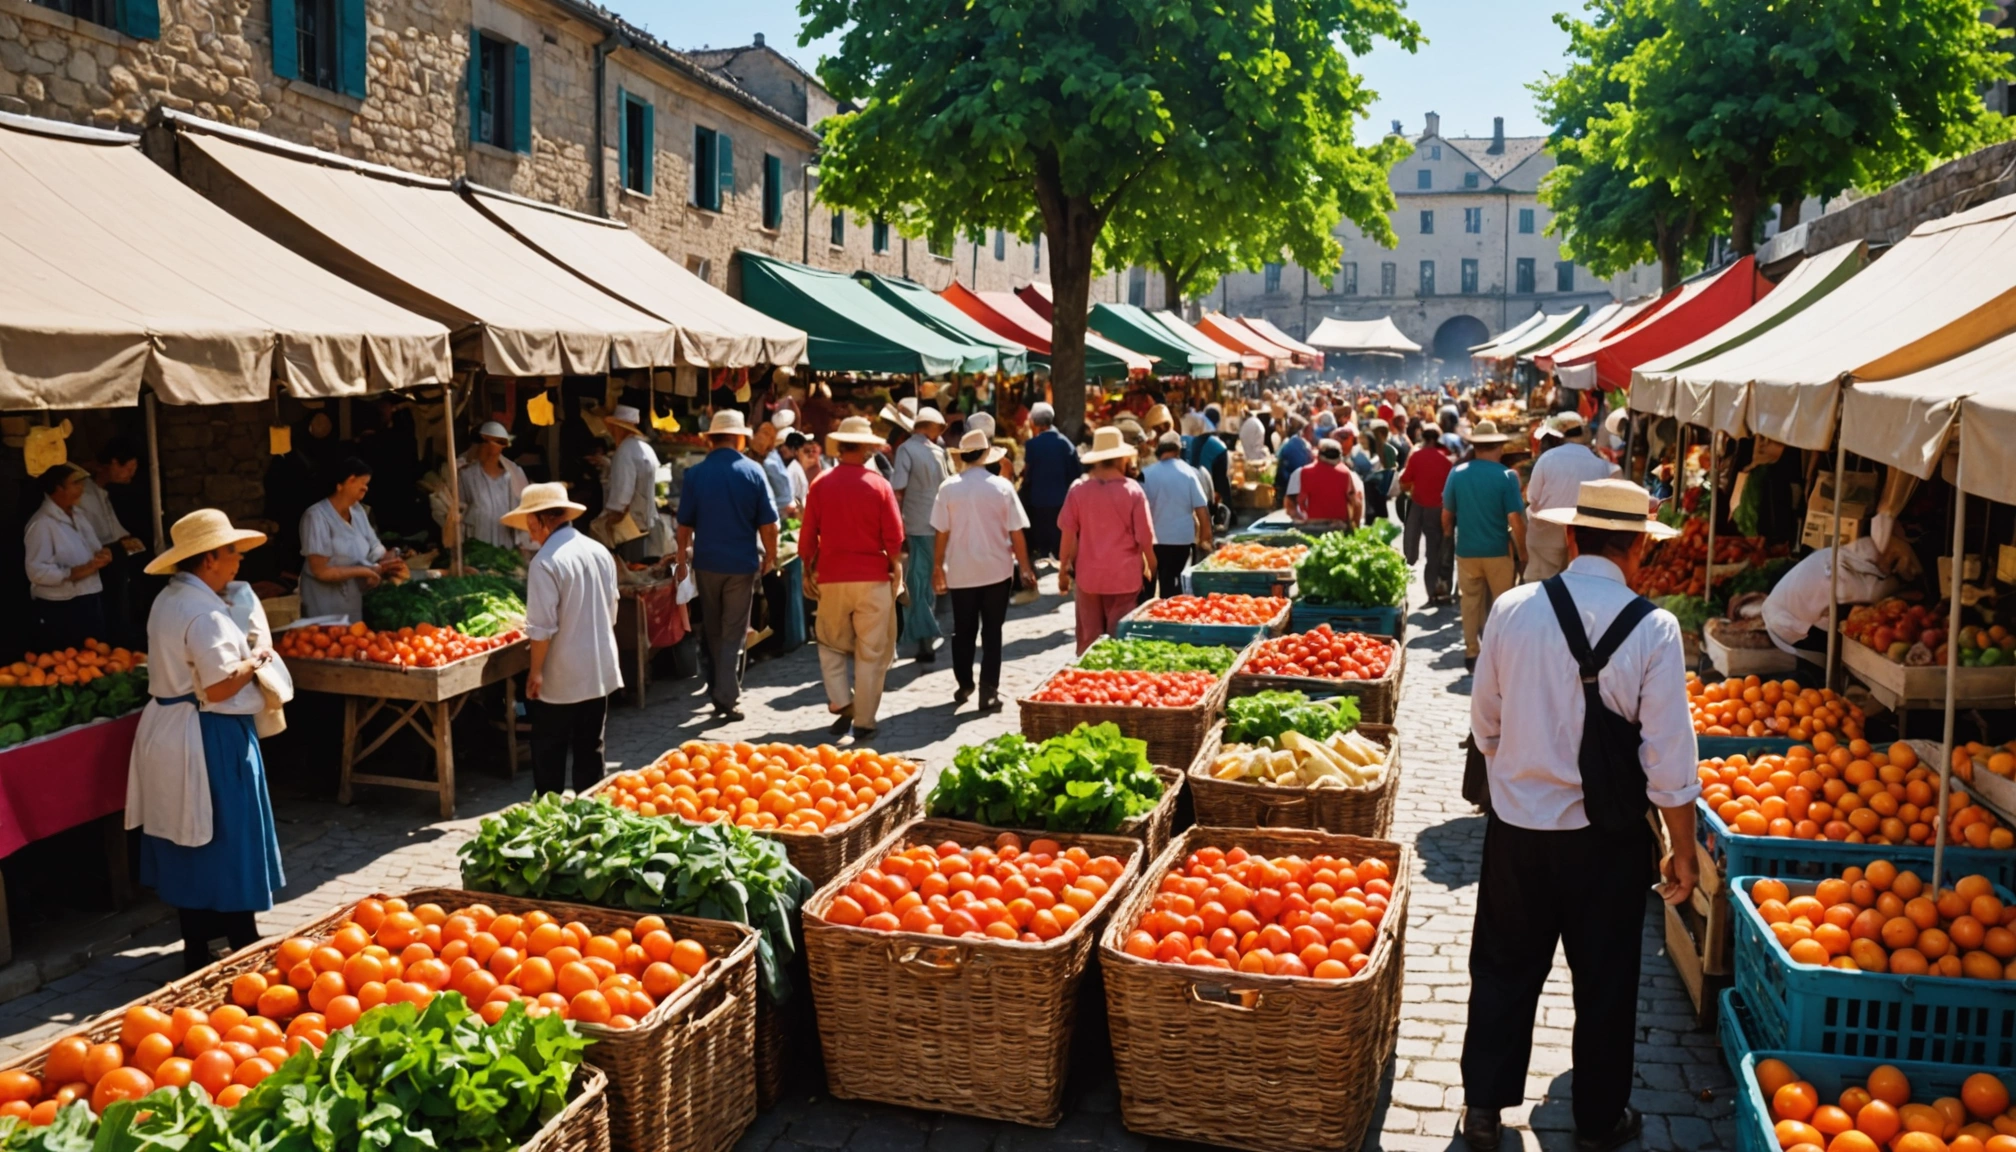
x,y
1084,120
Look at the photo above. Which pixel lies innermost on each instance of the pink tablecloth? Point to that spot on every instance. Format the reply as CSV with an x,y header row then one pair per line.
x,y
63,780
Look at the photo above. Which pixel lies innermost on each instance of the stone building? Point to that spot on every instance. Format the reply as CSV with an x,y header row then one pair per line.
x,y
1474,255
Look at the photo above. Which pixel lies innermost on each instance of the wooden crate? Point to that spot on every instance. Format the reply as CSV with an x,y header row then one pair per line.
x,y
1905,686
1685,930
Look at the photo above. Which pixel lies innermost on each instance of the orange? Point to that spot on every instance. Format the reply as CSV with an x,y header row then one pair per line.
x,y
1795,1101
231,1095
120,1084
213,1070
252,1071
574,979
689,956
147,1056
1793,1133
65,1062
101,1060
1773,1074
245,990
1879,1120
280,1002
1985,1096
589,1007
18,1085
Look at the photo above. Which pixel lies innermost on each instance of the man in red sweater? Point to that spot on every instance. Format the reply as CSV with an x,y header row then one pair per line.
x,y
852,544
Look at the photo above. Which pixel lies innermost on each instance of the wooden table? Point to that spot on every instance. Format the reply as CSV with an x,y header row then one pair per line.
x,y
633,635
426,699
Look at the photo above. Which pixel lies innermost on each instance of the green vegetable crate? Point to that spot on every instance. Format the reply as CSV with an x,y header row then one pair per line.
x,y
974,1027
1378,700
682,1079
1365,811
1134,626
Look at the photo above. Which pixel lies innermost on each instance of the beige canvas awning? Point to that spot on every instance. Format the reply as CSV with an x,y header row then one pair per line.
x,y
1358,337
1905,422
113,274
715,329
415,241
1946,289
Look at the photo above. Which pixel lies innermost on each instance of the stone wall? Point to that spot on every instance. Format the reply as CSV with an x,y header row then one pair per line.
x,y
212,456
1890,215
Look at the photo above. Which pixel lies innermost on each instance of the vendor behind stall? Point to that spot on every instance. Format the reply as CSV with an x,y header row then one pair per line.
x,y
633,483
345,557
63,558
197,782
1795,614
491,485
115,466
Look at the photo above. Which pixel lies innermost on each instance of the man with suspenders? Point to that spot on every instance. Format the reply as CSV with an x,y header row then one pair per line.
x,y
1578,746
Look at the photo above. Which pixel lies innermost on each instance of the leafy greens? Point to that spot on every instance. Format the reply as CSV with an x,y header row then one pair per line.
x,y
1353,568
1156,656
1091,779
1250,719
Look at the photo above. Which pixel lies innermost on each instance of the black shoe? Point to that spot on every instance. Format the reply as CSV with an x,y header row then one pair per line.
x,y
863,735
1626,1129
961,694
925,655
990,701
727,715
842,720
1482,1129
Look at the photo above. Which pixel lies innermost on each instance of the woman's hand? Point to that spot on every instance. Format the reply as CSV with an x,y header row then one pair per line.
x,y
938,585
371,579
534,682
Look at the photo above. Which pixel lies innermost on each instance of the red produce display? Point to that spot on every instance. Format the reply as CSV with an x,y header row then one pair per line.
x,y
1217,608
1141,689
1323,654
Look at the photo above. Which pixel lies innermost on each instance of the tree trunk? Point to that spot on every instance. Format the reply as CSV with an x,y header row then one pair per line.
x,y
1744,203
1788,211
1172,294
1666,241
1072,225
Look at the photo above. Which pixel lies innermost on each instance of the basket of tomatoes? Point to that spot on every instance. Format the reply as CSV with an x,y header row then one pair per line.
x,y
1169,711
1241,941
945,967
668,1000
825,805
1326,662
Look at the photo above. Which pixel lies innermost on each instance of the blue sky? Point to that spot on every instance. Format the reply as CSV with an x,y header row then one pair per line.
x,y
1480,55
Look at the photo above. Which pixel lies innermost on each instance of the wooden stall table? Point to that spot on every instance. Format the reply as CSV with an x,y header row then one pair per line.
x,y
427,699
60,781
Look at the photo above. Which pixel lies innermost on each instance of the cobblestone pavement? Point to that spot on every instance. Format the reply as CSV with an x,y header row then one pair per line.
x,y
389,842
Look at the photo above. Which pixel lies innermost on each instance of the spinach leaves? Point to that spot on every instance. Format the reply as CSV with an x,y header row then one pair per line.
x,y
1353,568
1251,719
1091,779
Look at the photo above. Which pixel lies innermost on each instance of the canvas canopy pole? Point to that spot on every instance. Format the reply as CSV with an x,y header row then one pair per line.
x,y
1834,568
154,475
454,475
1714,448
1952,655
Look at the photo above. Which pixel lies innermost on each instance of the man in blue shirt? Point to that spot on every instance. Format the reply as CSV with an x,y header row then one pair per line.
x,y
1296,454
1178,512
1049,468
1482,507
724,509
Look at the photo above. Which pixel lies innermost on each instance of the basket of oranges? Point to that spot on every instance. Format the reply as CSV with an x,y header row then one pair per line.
x,y
678,1057
945,967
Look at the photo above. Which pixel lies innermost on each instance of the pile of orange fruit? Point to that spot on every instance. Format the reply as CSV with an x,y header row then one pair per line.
x,y
1880,1114
1881,919
1848,792
1770,708
1252,557
420,646
1280,917
70,666
769,786
1004,892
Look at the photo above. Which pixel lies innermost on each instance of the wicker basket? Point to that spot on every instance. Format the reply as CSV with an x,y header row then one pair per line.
x,y
1184,1038
1366,811
1378,700
1173,735
976,1027
681,1079
773,1041
823,855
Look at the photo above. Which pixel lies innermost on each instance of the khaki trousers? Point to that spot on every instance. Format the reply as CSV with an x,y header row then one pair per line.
x,y
1546,550
858,620
1480,580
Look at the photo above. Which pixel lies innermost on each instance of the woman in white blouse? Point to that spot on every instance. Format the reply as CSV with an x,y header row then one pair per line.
x,y
63,555
196,782
491,485
345,557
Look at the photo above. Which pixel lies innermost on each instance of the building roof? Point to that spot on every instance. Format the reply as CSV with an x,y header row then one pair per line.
x,y
722,57
1496,165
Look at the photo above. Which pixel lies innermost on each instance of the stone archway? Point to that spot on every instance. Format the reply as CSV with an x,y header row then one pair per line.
x,y
1455,338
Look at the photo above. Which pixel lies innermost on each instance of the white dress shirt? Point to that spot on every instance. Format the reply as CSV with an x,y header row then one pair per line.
x,y
485,498
1556,482
633,482
1253,438
801,484
351,543
570,602
977,510
1526,705
96,507
56,542
1799,602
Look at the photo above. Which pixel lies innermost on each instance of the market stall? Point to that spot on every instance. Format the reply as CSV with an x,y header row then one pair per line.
x,y
1232,361
851,329
934,312
1305,355
1132,327
1362,337
1232,334
1007,315
1695,308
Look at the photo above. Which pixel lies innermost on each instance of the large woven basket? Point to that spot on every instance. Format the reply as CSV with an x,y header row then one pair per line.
x,y
681,1080
1173,735
822,855
1271,1063
977,1027
1366,811
1378,700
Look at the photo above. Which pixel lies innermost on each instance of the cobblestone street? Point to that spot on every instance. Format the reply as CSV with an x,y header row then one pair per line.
x,y
388,842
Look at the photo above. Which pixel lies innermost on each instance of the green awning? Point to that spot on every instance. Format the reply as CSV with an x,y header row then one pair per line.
x,y
1130,327
851,329
934,312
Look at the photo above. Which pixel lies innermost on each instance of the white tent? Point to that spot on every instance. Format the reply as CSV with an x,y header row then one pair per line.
x,y
1510,334
1359,337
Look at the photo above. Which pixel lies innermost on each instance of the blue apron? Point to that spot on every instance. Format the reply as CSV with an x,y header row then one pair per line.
x,y
239,869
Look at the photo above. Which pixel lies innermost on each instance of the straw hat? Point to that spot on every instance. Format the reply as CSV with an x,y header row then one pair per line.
x,y
1567,425
927,416
492,430
727,422
856,430
1613,505
981,422
541,498
896,416
203,530
783,419
1486,432
628,418
1107,444
974,442
1157,415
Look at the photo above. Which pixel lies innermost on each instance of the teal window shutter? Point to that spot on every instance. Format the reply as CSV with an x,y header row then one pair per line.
x,y
475,84
724,159
622,137
521,98
773,192
650,146
140,19
353,48
286,46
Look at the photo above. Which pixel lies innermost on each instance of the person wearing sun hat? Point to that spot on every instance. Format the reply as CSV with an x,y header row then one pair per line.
x,y
1557,477
1108,539
1575,755
920,467
1485,513
196,782
852,545
977,552
632,490
725,508
491,485
570,616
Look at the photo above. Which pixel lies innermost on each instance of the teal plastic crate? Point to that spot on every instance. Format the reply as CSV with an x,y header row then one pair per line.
x,y
1872,1015
1204,581
1738,1028
1133,627
1348,618
1782,856
1831,1075
1751,746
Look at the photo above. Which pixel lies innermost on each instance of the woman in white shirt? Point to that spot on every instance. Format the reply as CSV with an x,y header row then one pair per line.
x,y
805,467
345,557
196,782
63,556
491,485
977,523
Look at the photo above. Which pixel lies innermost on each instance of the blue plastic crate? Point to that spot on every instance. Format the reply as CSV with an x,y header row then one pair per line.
x,y
1348,618
1233,636
1872,1015
1831,1075
1751,746
1738,1029
1204,581
1782,856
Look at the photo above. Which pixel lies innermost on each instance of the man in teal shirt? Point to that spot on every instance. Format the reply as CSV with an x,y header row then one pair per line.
x,y
1482,506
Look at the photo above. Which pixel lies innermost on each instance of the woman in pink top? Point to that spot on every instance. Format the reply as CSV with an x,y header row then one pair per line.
x,y
1107,544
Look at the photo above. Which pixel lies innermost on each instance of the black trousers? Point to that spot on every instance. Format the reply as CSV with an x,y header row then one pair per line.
x,y
1586,889
977,614
1170,560
68,623
558,729
1044,537
201,926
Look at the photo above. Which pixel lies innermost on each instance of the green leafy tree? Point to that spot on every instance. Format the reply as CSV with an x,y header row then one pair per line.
x,y
1756,102
1051,117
